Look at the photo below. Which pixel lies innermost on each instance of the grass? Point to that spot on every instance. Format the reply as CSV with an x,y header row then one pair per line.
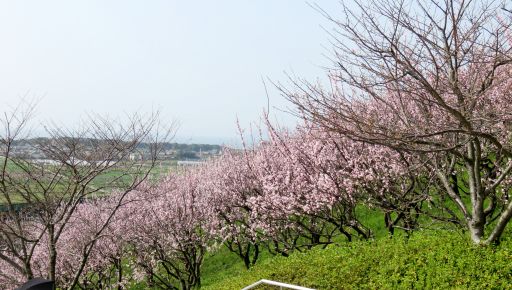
x,y
222,265
426,260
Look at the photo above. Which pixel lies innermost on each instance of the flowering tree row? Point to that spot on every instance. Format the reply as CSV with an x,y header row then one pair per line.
x,y
291,192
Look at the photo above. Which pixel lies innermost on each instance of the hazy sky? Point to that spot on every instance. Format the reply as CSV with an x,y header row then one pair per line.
x,y
199,62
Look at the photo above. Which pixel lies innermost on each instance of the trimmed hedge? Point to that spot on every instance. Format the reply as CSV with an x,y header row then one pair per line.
x,y
426,260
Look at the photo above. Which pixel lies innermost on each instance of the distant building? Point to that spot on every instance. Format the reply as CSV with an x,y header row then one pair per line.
x,y
135,157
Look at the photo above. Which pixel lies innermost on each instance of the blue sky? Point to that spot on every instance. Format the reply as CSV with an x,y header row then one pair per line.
x,y
198,62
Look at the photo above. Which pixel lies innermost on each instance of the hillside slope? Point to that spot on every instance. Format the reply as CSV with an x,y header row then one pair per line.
x,y
426,260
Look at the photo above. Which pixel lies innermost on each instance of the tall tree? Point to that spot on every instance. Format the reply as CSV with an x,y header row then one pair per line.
x,y
432,79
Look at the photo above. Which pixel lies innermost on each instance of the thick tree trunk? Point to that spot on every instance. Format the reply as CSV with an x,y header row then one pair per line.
x,y
119,266
476,232
52,253
476,224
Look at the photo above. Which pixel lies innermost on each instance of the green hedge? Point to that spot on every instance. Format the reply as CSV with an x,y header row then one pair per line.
x,y
426,260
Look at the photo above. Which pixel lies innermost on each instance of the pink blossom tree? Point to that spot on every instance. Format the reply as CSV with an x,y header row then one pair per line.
x,y
104,267
324,176
297,194
229,184
431,79
169,239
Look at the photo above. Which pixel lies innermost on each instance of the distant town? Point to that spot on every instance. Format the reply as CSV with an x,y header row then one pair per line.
x,y
184,153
